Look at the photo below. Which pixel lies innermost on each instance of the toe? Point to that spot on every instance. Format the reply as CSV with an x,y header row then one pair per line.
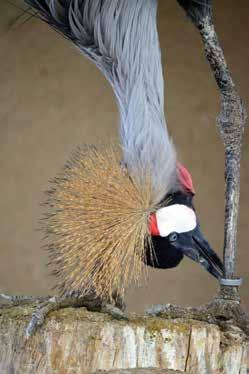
x,y
115,312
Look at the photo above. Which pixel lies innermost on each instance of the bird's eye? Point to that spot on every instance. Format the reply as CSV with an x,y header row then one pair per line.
x,y
173,237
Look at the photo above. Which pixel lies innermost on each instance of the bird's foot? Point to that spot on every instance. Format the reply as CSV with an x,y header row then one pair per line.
x,y
222,311
169,311
73,301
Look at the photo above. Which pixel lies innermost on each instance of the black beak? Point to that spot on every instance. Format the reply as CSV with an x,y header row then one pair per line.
x,y
196,247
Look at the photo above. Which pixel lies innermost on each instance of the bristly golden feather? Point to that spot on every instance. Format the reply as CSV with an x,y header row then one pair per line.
x,y
97,224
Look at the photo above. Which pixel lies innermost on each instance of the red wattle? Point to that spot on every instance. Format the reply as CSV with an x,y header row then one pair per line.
x,y
185,178
153,228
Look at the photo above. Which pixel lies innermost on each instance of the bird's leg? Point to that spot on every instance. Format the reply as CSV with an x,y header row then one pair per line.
x,y
225,307
231,123
73,300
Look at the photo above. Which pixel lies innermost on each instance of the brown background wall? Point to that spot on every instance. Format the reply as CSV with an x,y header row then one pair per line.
x,y
52,99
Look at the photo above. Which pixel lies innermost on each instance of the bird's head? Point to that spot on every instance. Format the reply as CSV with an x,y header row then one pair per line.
x,y
175,232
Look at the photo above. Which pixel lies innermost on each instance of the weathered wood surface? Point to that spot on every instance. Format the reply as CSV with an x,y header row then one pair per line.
x,y
79,341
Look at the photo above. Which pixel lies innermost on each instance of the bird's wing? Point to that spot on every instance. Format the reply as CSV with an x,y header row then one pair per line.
x,y
121,38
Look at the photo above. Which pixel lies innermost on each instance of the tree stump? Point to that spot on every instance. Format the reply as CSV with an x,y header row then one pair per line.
x,y
79,341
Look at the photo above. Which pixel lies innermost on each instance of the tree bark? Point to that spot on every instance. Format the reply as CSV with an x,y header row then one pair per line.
x,y
79,341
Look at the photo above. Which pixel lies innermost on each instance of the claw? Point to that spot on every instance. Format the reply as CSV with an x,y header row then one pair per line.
x,y
34,323
115,312
155,310
40,313
6,299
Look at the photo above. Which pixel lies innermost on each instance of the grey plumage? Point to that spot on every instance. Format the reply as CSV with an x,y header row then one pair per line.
x,y
120,37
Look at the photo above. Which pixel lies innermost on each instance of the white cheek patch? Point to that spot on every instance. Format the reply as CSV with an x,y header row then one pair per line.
x,y
175,218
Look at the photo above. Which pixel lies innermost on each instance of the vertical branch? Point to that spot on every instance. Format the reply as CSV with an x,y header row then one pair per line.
x,y
231,122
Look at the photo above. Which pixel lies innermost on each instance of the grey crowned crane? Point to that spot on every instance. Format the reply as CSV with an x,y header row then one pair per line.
x,y
110,211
